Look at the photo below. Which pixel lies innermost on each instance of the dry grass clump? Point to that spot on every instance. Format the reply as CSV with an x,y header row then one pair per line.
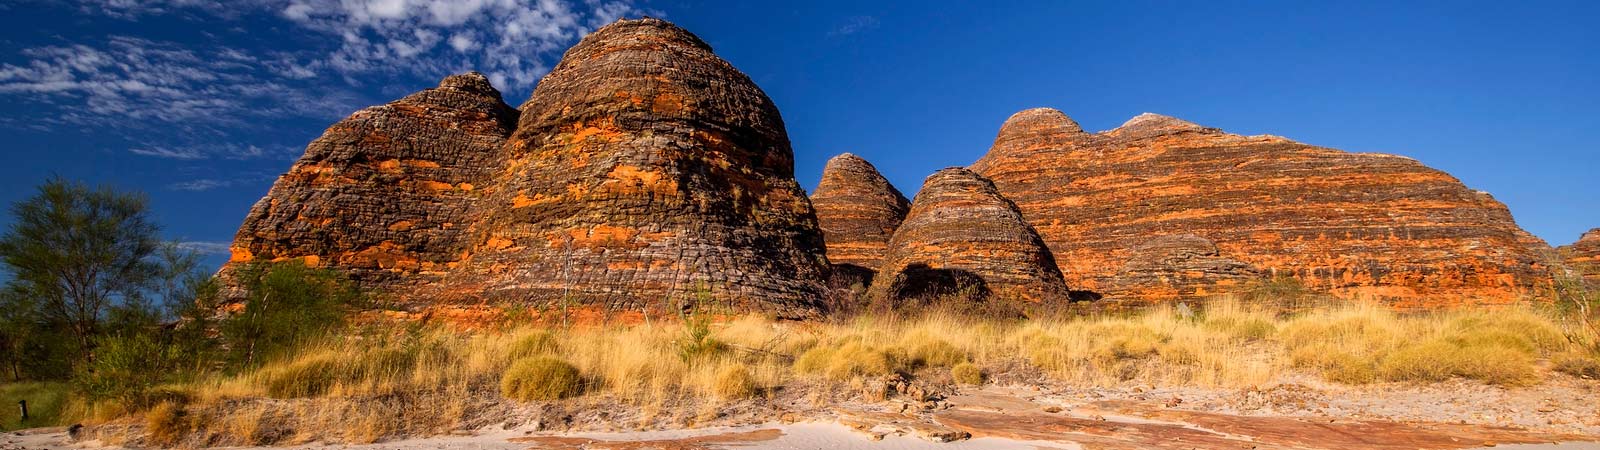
x,y
847,360
541,378
735,382
167,424
967,373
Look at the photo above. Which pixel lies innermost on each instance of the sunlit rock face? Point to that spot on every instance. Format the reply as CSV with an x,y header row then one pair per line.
x,y
1358,225
963,238
858,210
645,174
1583,256
386,193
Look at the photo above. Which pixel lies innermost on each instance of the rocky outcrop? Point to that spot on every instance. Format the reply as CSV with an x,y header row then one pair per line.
x,y
1584,256
646,173
1177,267
858,211
386,193
962,237
1354,224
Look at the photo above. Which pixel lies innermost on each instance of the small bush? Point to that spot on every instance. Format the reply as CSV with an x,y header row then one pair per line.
x,y
166,424
735,382
541,378
967,373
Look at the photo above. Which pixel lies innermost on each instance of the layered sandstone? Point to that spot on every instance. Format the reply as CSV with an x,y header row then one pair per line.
x,y
1584,256
1179,266
646,173
386,193
963,237
1354,224
858,211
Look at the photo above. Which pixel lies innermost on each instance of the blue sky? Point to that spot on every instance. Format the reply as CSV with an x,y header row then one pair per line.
x,y
203,103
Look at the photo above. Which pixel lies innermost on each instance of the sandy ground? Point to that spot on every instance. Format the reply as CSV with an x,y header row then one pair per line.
x,y
1301,414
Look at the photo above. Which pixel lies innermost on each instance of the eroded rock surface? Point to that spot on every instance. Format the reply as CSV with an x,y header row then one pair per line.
x,y
858,211
1584,256
646,172
1354,224
962,236
386,193
1179,266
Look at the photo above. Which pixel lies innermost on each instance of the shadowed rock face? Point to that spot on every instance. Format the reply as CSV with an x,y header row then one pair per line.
x,y
858,211
1354,224
962,234
1584,256
386,193
646,171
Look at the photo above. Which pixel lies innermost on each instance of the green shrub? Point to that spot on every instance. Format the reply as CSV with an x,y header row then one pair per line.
x,y
967,373
45,401
541,378
288,304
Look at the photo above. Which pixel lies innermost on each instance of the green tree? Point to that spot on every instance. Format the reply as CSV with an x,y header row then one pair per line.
x,y
76,252
285,304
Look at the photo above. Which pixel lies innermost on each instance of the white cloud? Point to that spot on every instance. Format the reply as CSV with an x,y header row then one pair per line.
x,y
216,151
199,185
512,38
854,24
205,247
171,153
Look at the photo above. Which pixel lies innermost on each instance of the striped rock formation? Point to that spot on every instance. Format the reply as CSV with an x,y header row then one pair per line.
x,y
1584,256
386,193
858,211
1353,224
962,236
645,173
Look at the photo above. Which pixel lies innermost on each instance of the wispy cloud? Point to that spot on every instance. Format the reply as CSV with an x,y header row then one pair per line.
x,y
854,24
204,184
205,247
214,151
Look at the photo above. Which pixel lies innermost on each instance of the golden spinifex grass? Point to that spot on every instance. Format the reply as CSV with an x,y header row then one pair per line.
x,y
367,386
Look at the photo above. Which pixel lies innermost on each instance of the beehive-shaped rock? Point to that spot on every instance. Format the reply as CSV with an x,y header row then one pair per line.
x,y
962,236
386,193
645,173
858,210
1359,225
1584,256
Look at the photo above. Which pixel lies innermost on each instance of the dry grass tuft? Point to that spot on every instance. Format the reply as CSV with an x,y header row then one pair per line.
x,y
967,373
735,382
541,378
